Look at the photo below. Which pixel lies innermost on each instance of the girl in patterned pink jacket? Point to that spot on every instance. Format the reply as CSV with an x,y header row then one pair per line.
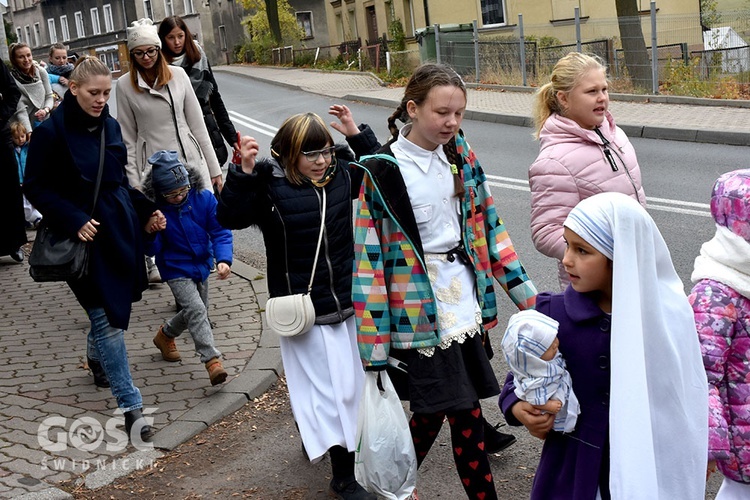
x,y
721,302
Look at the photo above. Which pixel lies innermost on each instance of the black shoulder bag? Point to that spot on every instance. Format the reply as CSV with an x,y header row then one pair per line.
x,y
55,258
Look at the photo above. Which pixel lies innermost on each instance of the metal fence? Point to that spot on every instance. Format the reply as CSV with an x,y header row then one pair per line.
x,y
685,59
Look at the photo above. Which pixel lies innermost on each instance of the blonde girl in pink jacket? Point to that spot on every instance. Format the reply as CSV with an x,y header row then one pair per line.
x,y
581,151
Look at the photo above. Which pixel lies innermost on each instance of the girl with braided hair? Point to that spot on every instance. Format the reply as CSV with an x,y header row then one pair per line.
x,y
428,243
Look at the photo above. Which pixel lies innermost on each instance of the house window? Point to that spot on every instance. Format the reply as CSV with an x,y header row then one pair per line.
x,y
148,10
37,35
109,24
52,31
223,38
19,35
27,33
339,28
409,21
111,60
168,8
80,29
64,28
493,12
95,26
304,19
353,25
189,7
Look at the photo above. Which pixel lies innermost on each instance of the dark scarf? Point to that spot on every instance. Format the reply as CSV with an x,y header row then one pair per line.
x,y
76,117
22,77
198,73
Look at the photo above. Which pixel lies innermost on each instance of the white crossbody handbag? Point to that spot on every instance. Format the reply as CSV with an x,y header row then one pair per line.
x,y
292,315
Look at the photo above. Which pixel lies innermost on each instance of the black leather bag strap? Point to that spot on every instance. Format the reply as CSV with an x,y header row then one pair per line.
x,y
174,120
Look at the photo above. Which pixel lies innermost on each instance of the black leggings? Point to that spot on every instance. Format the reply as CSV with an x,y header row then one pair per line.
x,y
467,439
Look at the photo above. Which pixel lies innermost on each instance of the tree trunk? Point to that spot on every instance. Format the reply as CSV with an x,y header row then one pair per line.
x,y
272,11
633,44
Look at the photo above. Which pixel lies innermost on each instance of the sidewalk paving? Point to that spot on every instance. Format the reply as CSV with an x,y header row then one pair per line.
x,y
42,375
43,332
654,117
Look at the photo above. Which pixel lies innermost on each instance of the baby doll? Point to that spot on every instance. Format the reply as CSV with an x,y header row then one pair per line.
x,y
539,373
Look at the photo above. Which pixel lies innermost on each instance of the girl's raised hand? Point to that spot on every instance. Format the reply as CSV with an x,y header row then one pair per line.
x,y
539,424
347,125
249,151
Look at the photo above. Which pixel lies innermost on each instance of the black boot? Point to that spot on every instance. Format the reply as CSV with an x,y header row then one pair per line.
x,y
131,418
17,255
343,485
496,441
97,370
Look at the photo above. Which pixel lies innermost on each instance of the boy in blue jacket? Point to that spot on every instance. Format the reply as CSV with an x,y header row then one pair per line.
x,y
183,255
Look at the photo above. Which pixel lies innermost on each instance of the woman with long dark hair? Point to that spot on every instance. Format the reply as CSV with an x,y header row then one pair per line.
x,y
180,49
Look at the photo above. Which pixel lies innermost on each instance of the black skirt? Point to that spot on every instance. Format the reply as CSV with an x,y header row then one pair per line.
x,y
451,379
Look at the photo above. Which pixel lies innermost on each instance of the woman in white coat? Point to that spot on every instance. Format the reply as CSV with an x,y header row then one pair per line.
x,y
157,109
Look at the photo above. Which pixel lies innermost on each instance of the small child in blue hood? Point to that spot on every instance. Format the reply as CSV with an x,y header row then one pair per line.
x,y
184,255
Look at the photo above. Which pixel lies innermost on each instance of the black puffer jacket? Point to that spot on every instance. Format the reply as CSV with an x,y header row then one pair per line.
x,y
289,217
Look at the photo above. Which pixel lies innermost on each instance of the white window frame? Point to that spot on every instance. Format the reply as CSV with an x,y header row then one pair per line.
x,y
148,9
189,6
80,27
64,31
96,27
51,30
168,8
503,10
19,34
27,33
37,35
300,23
109,23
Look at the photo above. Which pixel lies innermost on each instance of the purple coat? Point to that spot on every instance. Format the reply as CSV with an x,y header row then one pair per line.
x,y
573,466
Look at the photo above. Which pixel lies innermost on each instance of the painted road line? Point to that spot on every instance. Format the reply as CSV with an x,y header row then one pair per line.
x,y
252,124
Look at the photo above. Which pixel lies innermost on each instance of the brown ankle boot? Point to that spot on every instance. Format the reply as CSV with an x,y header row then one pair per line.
x,y
216,371
166,345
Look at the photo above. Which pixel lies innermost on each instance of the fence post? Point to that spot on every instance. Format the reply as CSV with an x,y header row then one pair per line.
x,y
654,52
388,62
437,43
476,50
522,48
577,15
317,53
359,58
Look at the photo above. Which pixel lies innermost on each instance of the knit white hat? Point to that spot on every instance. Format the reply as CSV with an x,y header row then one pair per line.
x,y
142,32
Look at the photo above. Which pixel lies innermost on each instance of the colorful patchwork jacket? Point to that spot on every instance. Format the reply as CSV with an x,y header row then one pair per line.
x,y
394,302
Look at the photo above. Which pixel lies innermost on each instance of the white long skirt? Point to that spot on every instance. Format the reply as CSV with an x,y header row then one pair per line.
x,y
325,378
732,490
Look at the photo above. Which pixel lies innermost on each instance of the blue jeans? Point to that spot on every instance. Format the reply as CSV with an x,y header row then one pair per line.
x,y
107,345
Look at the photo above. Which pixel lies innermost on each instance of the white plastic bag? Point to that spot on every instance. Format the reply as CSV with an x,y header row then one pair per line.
x,y
385,462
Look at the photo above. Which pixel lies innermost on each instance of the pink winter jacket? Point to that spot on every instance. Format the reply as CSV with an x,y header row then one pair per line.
x,y
572,166
722,317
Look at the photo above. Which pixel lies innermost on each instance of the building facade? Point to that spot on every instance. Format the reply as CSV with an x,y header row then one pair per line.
x,y
363,19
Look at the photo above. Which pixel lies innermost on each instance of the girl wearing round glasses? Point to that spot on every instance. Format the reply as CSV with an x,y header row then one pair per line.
x,y
284,196
157,109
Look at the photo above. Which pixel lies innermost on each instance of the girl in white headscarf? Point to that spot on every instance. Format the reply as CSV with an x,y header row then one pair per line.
x,y
627,333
